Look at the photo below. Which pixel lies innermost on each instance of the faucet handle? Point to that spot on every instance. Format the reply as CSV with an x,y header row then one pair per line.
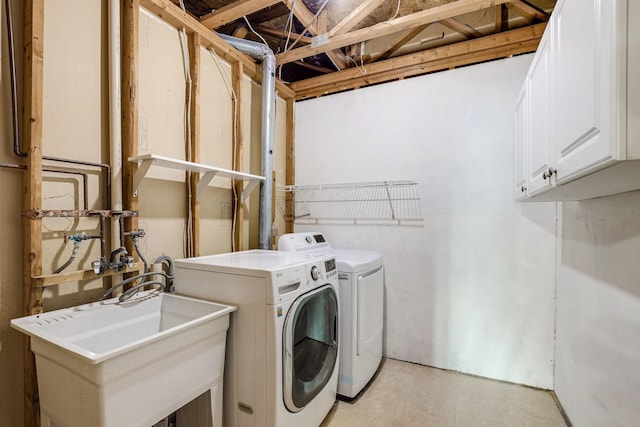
x,y
97,267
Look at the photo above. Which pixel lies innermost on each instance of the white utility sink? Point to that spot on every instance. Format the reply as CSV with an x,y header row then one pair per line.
x,y
127,363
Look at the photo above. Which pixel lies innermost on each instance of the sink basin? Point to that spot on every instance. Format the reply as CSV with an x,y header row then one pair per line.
x,y
127,363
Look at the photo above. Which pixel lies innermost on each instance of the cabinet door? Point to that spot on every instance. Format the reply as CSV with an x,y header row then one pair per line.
x,y
584,57
520,146
540,154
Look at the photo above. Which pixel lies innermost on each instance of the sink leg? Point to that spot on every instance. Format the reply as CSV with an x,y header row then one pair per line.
x,y
216,405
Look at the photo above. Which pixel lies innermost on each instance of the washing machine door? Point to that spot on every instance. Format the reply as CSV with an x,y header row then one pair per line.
x,y
310,346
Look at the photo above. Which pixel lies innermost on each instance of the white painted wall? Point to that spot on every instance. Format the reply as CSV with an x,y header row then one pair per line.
x,y
598,311
474,288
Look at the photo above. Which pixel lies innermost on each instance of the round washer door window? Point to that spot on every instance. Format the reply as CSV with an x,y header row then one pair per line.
x,y
310,346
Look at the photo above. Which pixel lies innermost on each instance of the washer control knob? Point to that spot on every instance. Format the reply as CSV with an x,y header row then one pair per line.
x,y
315,273
308,239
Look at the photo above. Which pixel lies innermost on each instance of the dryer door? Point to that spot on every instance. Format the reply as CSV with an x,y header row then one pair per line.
x,y
310,346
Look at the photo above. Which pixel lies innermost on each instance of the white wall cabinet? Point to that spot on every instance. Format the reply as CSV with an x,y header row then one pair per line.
x,y
578,142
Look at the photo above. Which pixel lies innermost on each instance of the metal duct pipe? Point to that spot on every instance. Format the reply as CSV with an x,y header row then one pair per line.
x,y
262,52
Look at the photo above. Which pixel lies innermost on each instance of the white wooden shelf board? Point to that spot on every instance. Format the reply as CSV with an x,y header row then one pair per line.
x,y
207,172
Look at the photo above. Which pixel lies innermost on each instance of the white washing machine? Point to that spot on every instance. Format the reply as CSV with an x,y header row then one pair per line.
x,y
281,367
361,275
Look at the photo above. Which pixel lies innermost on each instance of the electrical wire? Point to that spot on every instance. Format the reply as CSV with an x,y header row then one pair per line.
x,y
188,236
313,21
395,15
254,31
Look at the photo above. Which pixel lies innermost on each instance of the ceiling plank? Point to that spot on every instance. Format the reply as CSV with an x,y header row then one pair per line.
x,y
233,11
502,42
355,17
399,41
414,20
530,11
462,28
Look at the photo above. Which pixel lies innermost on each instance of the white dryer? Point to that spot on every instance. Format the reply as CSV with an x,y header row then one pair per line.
x,y
281,367
361,275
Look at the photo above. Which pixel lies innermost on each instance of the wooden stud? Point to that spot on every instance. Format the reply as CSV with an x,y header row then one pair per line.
x,y
130,57
32,191
290,167
414,20
236,114
194,142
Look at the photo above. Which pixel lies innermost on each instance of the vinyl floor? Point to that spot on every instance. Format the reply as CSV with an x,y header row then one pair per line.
x,y
404,394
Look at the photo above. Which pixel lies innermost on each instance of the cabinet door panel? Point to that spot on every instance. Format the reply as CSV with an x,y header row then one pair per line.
x,y
540,156
582,94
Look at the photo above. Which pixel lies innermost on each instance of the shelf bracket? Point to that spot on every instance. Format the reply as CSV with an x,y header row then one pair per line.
x,y
204,182
143,168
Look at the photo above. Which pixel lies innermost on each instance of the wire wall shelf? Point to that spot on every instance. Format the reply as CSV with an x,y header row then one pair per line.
x,y
361,203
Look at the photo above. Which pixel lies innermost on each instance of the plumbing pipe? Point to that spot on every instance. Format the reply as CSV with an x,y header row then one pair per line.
x,y
14,108
85,177
115,127
262,52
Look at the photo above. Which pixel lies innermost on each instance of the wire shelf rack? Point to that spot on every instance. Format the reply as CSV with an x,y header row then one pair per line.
x,y
384,202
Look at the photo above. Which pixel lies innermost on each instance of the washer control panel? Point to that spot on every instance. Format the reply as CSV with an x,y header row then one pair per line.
x,y
300,242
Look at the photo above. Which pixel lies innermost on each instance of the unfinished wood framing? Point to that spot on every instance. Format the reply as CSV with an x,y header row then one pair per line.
x,y
236,118
32,199
355,17
305,16
290,167
414,20
130,57
233,11
482,49
172,14
194,143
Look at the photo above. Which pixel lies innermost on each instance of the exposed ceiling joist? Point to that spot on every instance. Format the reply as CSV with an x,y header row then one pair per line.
x,y
234,11
414,20
355,17
462,28
529,11
308,19
400,40
472,51
269,31
502,18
